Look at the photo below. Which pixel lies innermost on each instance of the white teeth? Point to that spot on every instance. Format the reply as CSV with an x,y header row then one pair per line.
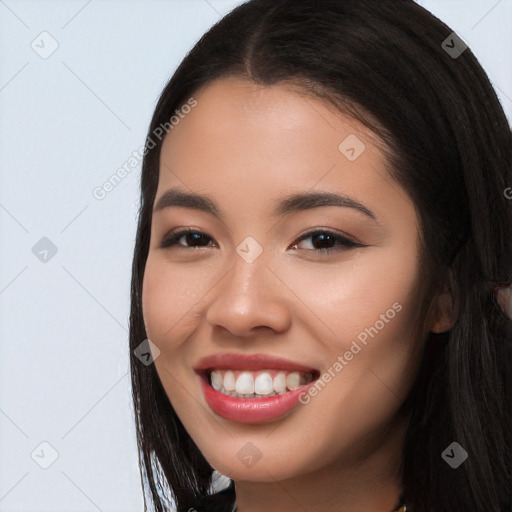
x,y
257,384
217,380
293,381
229,381
263,384
280,382
245,384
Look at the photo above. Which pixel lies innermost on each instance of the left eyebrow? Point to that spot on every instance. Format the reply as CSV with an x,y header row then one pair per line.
x,y
309,200
292,203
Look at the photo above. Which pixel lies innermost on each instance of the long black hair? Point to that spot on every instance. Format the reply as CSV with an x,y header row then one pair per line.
x,y
404,74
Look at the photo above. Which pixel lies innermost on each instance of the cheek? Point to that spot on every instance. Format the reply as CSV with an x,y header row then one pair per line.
x,y
364,311
170,294
343,299
152,305
168,301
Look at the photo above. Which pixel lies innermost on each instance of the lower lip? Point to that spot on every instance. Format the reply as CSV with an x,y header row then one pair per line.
x,y
251,410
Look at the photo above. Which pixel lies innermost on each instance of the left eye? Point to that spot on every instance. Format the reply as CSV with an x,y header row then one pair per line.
x,y
324,241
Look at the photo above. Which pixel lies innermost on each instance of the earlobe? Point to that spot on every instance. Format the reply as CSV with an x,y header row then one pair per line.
x,y
443,313
442,317
503,296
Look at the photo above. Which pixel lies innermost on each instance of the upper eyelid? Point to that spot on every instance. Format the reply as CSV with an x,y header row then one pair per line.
x,y
180,232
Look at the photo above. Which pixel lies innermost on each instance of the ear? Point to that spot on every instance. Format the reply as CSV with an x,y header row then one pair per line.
x,y
504,297
441,313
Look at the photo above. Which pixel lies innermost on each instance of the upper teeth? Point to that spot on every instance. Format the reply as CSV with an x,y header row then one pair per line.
x,y
261,383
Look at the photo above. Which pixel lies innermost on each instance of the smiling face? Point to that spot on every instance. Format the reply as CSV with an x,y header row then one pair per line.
x,y
326,281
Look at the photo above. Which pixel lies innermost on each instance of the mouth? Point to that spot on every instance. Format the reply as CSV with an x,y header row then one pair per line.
x,y
256,384
253,388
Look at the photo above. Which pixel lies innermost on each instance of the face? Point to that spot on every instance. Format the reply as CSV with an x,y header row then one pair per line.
x,y
299,279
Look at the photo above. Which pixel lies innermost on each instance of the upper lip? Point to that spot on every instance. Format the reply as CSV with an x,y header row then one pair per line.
x,y
232,361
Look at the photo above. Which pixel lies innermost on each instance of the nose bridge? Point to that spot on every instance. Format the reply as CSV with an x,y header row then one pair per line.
x,y
248,296
248,276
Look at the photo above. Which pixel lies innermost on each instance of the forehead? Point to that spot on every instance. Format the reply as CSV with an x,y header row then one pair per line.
x,y
252,143
280,113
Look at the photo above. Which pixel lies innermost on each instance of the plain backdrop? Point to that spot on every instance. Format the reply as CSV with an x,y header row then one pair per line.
x,y
78,84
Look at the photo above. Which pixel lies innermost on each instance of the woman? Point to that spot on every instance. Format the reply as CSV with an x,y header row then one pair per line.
x,y
323,241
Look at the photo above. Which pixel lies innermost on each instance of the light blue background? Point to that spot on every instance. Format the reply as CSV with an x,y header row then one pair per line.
x,y
67,123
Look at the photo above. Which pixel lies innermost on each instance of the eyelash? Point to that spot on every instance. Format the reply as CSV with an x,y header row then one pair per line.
x,y
173,238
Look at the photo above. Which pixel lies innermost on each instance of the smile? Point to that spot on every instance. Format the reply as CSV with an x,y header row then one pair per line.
x,y
250,384
253,388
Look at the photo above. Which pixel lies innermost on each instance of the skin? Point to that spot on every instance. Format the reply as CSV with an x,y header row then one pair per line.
x,y
247,146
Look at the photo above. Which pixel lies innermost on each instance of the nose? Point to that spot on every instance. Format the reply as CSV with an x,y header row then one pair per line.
x,y
248,298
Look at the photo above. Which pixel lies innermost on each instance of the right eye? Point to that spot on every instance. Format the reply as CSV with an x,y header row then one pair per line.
x,y
190,236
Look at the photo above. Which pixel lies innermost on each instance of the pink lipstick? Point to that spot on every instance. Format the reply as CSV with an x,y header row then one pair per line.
x,y
253,388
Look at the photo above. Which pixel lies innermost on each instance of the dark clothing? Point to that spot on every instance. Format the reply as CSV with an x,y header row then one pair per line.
x,y
222,501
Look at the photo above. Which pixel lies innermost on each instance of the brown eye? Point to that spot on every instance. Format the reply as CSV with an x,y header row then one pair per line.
x,y
325,241
192,239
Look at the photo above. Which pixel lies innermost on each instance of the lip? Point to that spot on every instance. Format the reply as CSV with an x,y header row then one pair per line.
x,y
253,362
250,410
